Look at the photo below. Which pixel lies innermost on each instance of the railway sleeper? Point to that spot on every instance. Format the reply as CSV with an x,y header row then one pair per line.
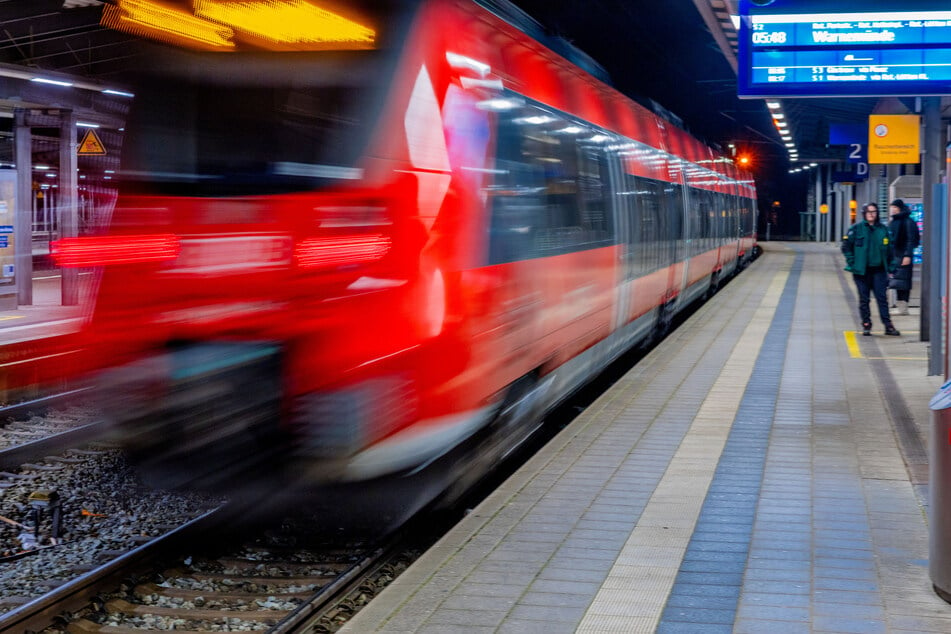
x,y
146,589
236,580
254,566
84,626
17,476
121,606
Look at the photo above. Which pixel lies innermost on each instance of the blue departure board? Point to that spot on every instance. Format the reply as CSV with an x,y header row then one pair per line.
x,y
806,48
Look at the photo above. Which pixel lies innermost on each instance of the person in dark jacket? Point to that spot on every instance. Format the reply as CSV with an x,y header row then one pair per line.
x,y
870,258
904,234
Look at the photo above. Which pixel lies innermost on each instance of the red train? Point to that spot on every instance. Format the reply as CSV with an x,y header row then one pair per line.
x,y
355,263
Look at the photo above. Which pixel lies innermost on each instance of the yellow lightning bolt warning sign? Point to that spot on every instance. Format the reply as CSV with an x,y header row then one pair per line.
x,y
91,144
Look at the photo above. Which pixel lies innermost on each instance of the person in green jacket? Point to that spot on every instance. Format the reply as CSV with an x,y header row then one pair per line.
x,y
869,257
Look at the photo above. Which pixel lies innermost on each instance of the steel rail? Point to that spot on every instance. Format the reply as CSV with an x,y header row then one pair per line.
x,y
73,595
14,457
41,404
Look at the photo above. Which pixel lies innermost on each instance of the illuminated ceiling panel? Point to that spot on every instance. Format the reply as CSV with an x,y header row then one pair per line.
x,y
225,25
287,24
155,21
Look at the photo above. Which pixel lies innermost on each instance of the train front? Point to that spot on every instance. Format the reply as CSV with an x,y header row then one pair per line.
x,y
257,276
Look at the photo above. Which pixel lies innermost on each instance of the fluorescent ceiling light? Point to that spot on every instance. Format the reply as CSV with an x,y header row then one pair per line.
x,y
52,82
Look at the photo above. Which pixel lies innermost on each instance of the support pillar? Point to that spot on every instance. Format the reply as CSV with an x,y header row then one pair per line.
x,y
67,200
931,160
23,222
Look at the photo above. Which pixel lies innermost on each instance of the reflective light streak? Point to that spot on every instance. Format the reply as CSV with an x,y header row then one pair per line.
x,y
148,19
464,62
106,250
318,253
287,24
219,25
52,82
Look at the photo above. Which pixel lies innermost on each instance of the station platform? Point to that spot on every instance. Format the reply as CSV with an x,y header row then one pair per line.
x,y
764,469
46,316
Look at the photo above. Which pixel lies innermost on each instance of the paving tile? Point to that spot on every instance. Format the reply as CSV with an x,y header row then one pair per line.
x,y
698,589
476,589
704,615
524,626
445,628
779,600
774,613
858,574
713,565
558,573
694,601
849,611
847,597
856,626
775,574
919,623
855,585
675,627
548,613
565,587
477,618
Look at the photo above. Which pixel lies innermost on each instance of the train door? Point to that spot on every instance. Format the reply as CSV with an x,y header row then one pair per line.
x,y
622,208
688,248
676,228
736,219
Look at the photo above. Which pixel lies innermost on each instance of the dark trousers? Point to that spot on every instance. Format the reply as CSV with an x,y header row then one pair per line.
x,y
903,296
874,280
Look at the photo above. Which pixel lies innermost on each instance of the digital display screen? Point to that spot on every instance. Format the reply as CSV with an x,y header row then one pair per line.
x,y
805,48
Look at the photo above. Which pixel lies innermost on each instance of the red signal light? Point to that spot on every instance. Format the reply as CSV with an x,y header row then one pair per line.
x,y
319,253
744,160
106,250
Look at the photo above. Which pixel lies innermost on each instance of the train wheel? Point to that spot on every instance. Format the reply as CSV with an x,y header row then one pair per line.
x,y
515,420
665,321
714,286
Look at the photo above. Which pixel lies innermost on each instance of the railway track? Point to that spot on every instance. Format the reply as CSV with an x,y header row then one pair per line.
x,y
41,404
55,607
47,436
273,580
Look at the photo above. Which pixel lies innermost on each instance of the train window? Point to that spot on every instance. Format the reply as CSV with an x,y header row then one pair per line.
x,y
518,204
592,176
649,234
549,195
674,214
698,223
710,214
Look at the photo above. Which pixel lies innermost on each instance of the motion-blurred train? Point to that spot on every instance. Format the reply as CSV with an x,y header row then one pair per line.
x,y
355,266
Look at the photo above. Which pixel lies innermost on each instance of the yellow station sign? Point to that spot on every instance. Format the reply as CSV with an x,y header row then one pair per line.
x,y
893,138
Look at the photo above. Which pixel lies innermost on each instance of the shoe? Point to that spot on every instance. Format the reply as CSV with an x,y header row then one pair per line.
x,y
891,331
867,330
902,307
